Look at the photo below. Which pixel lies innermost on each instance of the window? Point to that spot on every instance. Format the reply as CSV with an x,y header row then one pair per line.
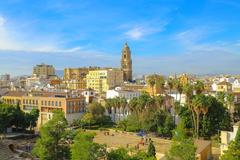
x,y
42,103
56,103
60,103
49,103
52,103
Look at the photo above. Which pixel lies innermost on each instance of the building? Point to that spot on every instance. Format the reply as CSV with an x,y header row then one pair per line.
x,y
224,87
75,78
119,92
5,77
227,137
102,80
44,70
90,95
126,63
72,105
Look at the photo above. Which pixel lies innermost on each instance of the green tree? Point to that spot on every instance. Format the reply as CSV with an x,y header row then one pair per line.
x,y
199,87
49,146
233,151
182,147
96,109
32,118
85,149
118,154
151,149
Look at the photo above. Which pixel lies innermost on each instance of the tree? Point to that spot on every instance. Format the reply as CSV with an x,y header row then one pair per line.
x,y
118,154
32,118
179,87
96,109
151,150
49,146
13,116
221,97
230,103
151,81
85,149
199,87
182,147
170,84
200,103
233,151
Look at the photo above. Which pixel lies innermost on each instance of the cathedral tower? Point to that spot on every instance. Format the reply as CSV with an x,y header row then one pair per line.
x,y
126,63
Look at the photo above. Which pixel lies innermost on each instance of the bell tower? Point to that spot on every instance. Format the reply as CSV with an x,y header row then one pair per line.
x,y
126,63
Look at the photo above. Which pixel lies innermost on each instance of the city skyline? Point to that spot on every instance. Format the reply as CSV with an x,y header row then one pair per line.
x,y
164,37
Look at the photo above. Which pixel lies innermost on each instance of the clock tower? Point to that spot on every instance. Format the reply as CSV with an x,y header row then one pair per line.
x,y
126,63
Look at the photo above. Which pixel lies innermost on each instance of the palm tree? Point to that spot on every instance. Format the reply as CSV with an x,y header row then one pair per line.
x,y
123,104
151,81
230,102
159,100
133,104
199,87
170,84
188,91
178,86
200,104
160,82
108,105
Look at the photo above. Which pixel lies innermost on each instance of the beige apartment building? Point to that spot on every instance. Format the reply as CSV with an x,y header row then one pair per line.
x,y
44,70
72,105
102,80
75,78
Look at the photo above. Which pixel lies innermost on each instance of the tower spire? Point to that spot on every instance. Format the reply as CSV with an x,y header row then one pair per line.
x,y
126,63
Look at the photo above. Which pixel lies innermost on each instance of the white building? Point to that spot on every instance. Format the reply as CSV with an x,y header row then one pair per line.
x,y
118,92
118,114
227,137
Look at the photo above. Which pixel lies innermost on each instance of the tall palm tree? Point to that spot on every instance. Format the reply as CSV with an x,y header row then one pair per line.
x,y
199,87
200,104
188,91
151,82
108,105
159,100
123,104
179,87
160,82
230,103
170,84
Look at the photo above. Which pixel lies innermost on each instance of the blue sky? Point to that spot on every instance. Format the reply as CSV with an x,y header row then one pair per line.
x,y
165,36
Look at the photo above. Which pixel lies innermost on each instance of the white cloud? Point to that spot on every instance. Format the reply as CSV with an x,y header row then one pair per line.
x,y
135,33
17,39
2,21
139,31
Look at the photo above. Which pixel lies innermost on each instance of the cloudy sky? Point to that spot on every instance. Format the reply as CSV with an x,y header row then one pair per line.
x,y
165,36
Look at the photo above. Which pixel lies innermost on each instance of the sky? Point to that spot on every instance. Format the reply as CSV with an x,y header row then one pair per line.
x,y
165,36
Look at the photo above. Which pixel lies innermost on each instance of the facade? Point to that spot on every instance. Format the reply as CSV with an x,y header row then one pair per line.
x,y
126,63
75,78
224,87
73,106
227,137
44,70
118,92
102,80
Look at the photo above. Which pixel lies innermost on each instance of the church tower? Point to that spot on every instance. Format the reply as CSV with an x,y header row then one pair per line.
x,y
126,63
